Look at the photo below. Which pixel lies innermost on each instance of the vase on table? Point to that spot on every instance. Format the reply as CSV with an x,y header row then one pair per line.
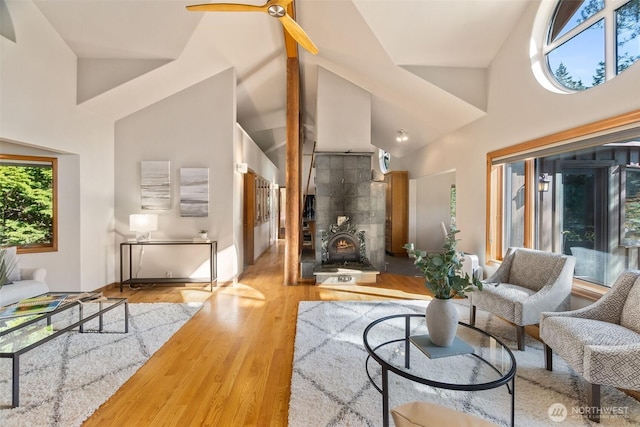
x,y
442,321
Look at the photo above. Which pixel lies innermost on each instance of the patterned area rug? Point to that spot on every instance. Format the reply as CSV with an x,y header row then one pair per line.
x,y
65,380
330,387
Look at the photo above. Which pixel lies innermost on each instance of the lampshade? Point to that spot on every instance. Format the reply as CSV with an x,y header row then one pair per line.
x,y
143,224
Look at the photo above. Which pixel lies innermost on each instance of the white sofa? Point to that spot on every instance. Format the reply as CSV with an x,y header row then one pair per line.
x,y
31,284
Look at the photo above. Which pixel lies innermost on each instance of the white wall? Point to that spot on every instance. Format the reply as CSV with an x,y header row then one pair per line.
x,y
96,192
38,110
343,115
433,194
519,109
193,128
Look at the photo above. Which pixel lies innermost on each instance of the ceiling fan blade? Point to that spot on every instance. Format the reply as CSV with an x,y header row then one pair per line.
x,y
226,7
298,33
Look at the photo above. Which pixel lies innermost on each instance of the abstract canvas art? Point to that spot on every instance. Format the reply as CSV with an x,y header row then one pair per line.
x,y
194,192
155,185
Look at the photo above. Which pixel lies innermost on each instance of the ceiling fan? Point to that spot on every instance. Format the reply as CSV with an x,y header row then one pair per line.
x,y
275,8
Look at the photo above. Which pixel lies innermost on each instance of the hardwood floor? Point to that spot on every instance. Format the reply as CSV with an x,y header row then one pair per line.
x,y
231,364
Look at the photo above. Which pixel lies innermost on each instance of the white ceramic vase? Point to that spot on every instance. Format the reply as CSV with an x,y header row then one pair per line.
x,y
442,321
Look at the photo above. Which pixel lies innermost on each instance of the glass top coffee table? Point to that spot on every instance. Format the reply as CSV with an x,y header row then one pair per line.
x,y
24,333
393,342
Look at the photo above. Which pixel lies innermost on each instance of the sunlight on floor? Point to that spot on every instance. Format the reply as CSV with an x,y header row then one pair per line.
x,y
370,291
195,295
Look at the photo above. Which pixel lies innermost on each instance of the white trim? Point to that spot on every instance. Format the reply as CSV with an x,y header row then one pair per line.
x,y
540,37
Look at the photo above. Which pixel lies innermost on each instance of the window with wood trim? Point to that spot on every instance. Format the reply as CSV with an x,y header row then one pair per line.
x,y
28,203
576,192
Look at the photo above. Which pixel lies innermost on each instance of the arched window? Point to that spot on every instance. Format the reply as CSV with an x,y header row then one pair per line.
x,y
591,41
384,158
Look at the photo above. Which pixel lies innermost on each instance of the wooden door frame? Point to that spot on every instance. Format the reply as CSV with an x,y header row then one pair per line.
x,y
249,217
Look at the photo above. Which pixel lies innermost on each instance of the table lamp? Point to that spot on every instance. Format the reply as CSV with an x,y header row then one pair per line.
x,y
143,225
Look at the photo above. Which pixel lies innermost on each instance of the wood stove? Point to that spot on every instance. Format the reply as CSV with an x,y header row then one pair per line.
x,y
343,247
343,244
344,257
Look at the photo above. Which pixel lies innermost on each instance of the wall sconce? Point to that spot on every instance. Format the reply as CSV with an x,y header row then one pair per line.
x,y
143,225
242,167
402,136
543,183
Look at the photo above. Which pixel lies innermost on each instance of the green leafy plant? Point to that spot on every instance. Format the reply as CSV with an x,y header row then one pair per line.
x,y
442,271
6,267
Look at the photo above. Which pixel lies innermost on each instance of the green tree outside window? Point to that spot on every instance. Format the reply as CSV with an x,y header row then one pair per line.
x,y
27,201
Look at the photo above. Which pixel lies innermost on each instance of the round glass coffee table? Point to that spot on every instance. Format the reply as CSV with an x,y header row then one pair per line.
x,y
476,361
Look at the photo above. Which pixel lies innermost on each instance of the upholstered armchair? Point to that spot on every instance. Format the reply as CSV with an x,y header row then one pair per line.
x,y
601,342
527,283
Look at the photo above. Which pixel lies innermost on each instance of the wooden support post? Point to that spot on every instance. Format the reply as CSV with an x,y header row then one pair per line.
x,y
293,207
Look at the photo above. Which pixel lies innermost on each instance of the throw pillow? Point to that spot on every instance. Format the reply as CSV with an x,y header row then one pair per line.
x,y
11,260
422,414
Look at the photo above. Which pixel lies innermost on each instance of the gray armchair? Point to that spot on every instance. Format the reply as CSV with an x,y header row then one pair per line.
x,y
527,283
601,342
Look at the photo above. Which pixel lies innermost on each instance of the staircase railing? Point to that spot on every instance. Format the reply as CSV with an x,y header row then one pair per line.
x,y
303,229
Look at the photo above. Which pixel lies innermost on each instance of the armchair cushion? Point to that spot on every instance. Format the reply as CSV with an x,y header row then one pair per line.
x,y
501,299
533,269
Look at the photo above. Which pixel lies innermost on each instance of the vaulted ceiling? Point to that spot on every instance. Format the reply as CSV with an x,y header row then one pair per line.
x,y
424,62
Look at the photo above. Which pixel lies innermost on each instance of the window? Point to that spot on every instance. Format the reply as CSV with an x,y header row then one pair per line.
x,y
28,203
576,192
592,41
453,204
631,208
384,159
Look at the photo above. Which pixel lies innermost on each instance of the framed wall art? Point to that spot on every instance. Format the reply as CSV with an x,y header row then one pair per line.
x,y
263,199
194,192
155,185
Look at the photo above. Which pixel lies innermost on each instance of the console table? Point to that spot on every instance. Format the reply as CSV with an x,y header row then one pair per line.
x,y
213,263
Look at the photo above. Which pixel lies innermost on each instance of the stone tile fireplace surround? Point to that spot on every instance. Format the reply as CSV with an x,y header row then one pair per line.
x,y
344,188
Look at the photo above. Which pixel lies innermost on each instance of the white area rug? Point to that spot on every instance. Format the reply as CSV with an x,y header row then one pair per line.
x,y
65,380
329,386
